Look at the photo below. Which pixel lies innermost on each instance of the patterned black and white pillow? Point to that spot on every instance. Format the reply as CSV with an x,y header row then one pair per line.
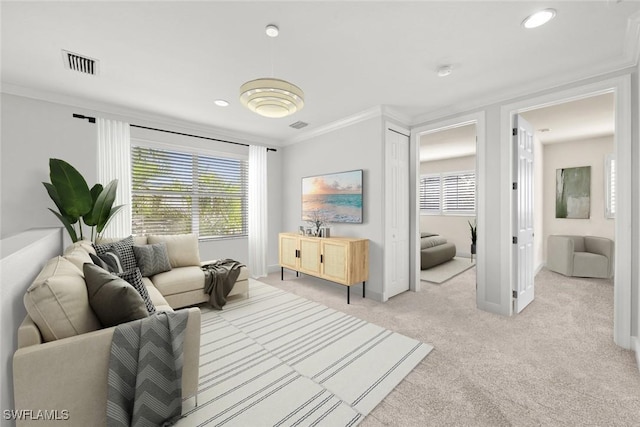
x,y
134,277
152,259
110,261
124,248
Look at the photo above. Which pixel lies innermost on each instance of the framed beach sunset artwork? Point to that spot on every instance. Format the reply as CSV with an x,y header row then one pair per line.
x,y
336,197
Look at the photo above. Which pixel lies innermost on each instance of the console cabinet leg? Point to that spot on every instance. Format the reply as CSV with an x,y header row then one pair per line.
x,y
363,289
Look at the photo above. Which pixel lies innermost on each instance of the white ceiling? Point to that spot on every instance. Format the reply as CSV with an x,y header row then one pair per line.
x,y
173,59
584,118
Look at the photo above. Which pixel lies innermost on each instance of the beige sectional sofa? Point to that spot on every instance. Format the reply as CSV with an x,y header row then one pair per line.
x,y
63,352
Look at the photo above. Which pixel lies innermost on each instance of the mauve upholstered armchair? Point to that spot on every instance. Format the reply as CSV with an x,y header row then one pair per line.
x,y
580,256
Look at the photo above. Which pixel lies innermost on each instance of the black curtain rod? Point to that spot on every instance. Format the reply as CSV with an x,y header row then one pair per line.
x,y
93,120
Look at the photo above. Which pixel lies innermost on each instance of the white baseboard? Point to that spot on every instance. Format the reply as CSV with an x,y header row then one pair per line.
x,y
635,346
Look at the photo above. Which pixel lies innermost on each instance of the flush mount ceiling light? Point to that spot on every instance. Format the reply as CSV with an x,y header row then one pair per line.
x,y
271,97
444,70
539,18
221,103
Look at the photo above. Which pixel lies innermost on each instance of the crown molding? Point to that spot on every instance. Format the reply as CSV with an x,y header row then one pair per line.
x,y
130,114
393,114
367,114
632,39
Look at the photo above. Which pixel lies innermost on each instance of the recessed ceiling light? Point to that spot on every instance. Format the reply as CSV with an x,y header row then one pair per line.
x,y
444,70
544,130
539,18
272,30
221,103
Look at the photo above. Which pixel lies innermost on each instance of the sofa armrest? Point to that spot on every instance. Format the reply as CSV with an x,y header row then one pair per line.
x,y
28,333
560,254
599,245
71,374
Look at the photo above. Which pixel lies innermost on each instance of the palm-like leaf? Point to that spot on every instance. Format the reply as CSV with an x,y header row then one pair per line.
x,y
53,193
90,218
67,225
114,211
104,202
72,189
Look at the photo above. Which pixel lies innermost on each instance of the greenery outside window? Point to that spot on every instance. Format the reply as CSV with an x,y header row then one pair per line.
x,y
180,192
451,193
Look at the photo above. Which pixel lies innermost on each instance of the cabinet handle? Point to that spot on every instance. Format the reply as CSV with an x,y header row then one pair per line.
x,y
321,258
297,253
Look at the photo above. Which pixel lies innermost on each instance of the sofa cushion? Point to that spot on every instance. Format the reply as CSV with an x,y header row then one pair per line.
x,y
86,245
112,299
152,259
77,255
179,280
57,301
134,278
182,249
124,248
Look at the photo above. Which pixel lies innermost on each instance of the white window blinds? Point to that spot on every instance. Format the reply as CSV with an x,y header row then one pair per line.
x,y
452,193
175,192
430,193
459,192
610,186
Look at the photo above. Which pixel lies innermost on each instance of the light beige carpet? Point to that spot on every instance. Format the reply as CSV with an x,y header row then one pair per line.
x,y
555,364
445,271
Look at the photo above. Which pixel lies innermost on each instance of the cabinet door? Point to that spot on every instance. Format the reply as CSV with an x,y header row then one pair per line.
x,y
288,248
335,261
310,256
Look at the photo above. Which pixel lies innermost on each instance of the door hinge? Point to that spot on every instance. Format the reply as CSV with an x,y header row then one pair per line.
x,y
515,186
514,240
515,294
515,131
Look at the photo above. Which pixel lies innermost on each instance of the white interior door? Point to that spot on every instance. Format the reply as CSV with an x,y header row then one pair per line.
x,y
523,286
396,246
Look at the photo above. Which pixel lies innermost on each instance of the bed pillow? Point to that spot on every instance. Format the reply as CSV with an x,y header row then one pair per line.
x,y
432,241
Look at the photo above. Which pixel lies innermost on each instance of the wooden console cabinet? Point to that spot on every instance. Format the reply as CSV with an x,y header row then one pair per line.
x,y
341,260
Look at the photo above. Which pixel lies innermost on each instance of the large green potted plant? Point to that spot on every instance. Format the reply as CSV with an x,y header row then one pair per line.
x,y
77,203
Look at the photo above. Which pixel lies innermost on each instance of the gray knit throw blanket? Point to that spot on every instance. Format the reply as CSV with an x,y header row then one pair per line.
x,y
219,278
145,371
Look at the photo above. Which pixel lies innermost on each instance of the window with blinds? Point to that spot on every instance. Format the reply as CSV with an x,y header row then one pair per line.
x,y
459,192
430,193
176,192
610,186
452,193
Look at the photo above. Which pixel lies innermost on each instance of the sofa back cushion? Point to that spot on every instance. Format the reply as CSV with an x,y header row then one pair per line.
x,y
182,248
78,255
57,301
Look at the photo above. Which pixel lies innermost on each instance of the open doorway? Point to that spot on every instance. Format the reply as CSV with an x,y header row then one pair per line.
x,y
574,134
447,202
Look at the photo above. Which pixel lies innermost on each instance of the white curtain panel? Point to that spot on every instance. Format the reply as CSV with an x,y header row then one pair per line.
x,y
257,211
114,162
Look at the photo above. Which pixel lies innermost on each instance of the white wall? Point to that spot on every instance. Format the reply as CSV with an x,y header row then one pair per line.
x,y
359,146
455,228
590,152
35,130
22,257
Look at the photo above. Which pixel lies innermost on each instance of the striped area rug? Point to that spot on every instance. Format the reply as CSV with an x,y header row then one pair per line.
x,y
276,359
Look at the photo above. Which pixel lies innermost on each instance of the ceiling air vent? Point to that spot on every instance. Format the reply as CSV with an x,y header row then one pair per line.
x,y
298,125
83,64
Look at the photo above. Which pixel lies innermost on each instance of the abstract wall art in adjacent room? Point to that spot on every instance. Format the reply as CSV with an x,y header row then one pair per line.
x,y
573,192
